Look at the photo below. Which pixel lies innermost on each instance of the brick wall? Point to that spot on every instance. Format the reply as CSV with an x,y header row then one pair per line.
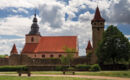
x,y
4,61
25,60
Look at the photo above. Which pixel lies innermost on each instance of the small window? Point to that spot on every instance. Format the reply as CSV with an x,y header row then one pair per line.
x,y
32,39
51,56
94,23
98,29
43,56
35,55
60,56
100,23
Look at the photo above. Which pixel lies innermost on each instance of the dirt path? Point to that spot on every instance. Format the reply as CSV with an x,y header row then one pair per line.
x,y
81,76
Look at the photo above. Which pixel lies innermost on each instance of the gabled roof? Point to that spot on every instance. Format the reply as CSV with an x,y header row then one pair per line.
x,y
14,50
51,44
89,46
97,16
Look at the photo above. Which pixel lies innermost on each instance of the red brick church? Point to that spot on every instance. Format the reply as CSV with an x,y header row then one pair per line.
x,y
37,46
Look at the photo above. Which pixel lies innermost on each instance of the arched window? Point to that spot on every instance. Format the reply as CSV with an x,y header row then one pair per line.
x,y
32,39
35,55
43,56
60,55
98,29
51,56
101,23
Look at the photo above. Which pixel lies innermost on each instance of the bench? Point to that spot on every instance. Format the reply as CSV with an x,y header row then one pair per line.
x,y
24,72
73,72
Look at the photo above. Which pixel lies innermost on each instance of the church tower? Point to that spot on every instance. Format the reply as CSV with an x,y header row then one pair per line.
x,y
97,32
34,34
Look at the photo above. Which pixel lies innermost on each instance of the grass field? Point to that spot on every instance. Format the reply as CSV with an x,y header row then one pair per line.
x,y
101,73
42,78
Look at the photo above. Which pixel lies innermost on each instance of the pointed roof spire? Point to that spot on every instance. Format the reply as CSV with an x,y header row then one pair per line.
x,y
35,13
97,16
89,46
35,18
14,50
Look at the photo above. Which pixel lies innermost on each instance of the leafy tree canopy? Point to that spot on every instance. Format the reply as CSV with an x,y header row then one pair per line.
x,y
114,47
66,60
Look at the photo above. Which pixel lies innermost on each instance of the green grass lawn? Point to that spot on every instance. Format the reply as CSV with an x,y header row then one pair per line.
x,y
101,73
42,78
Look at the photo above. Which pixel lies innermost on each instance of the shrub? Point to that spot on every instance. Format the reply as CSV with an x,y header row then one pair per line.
x,y
82,67
95,67
13,68
60,68
70,69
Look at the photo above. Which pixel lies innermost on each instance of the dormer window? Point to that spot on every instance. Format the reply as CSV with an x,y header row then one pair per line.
x,y
32,39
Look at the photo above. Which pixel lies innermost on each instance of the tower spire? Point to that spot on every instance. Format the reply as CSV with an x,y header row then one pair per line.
x,y
14,50
89,46
97,16
35,13
35,18
34,27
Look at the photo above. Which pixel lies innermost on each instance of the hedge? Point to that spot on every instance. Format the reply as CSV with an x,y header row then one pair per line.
x,y
60,68
83,67
13,68
95,67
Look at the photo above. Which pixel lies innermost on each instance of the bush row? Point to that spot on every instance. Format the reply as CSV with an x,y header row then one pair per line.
x,y
80,67
13,68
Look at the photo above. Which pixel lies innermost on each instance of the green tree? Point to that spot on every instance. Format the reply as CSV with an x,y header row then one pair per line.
x,y
66,60
89,55
114,47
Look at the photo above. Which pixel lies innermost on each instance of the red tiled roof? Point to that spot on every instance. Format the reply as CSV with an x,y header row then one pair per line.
x,y
97,16
89,47
52,44
14,49
29,48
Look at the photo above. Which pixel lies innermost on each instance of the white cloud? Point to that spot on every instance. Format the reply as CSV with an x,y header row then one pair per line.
x,y
86,17
15,11
22,10
6,45
52,19
118,12
128,36
23,3
53,14
15,25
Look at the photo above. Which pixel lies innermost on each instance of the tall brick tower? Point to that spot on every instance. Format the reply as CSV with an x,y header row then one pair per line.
x,y
97,31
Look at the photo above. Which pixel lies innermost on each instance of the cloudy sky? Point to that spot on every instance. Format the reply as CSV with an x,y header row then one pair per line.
x,y
58,17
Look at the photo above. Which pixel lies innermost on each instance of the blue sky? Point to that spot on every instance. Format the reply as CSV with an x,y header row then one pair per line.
x,y
58,17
